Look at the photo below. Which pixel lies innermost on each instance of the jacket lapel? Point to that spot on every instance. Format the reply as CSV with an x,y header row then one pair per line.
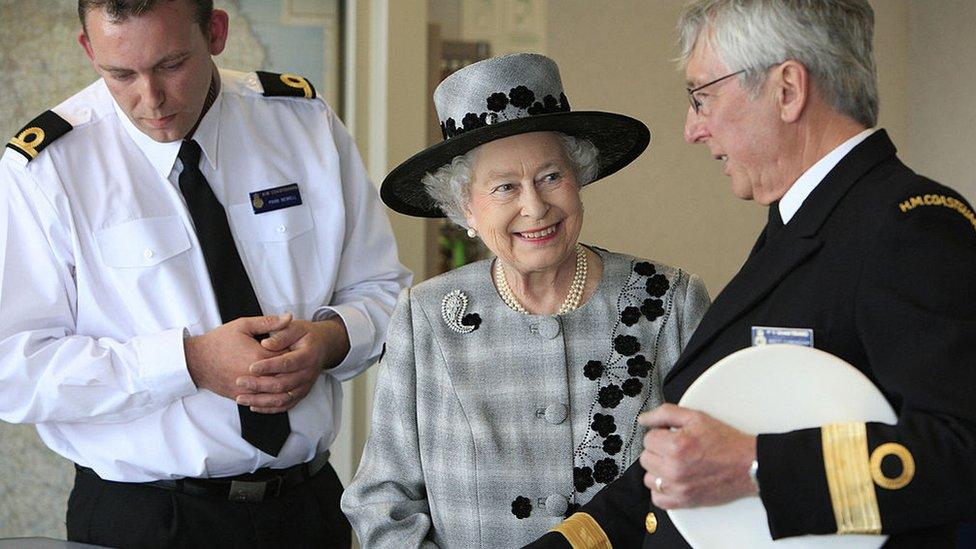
x,y
772,261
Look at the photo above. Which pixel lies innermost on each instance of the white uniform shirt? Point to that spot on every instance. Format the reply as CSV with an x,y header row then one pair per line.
x,y
102,275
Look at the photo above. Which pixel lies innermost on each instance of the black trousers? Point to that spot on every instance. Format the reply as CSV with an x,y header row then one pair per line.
x,y
118,514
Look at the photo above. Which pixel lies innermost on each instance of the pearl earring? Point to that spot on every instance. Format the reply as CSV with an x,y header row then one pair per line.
x,y
472,233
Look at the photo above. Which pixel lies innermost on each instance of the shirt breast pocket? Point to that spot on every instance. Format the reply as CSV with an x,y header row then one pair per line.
x,y
145,260
280,252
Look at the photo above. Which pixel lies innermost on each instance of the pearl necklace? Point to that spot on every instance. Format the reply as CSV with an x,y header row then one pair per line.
x,y
572,301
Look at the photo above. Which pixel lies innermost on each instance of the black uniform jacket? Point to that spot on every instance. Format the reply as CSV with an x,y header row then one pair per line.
x,y
881,264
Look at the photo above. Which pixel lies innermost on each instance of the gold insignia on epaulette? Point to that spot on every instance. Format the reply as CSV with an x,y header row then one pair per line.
x,y
28,140
907,466
950,202
295,81
285,85
39,133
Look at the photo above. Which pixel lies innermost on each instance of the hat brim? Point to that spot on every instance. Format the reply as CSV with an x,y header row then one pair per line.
x,y
620,139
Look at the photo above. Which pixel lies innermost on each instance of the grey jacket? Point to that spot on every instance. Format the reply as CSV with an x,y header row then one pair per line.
x,y
487,433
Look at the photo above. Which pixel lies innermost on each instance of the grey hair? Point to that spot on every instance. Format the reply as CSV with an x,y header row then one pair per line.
x,y
831,38
448,186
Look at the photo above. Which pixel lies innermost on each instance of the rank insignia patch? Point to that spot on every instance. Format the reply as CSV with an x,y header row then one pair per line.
x,y
278,85
269,200
39,133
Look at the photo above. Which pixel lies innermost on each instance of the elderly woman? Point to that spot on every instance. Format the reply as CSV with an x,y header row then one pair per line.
x,y
510,388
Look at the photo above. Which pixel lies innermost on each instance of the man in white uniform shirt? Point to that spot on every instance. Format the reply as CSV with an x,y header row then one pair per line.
x,y
118,336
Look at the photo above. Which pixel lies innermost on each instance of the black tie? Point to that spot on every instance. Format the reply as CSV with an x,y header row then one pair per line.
x,y
774,225
235,295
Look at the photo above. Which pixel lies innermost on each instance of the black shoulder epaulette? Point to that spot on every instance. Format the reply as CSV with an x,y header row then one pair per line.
x,y
277,85
39,133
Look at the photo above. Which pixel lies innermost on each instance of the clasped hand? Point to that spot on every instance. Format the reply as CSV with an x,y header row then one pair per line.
x,y
699,460
271,375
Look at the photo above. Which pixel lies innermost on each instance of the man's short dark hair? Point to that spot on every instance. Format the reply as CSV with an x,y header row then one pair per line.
x,y
120,10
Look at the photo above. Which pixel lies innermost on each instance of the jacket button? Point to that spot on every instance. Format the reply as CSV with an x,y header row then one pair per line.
x,y
556,505
548,328
650,523
556,413
148,253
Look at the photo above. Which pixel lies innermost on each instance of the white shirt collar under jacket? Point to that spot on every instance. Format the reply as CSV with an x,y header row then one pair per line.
x,y
801,189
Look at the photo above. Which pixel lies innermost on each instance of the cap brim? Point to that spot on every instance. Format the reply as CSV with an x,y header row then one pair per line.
x,y
620,139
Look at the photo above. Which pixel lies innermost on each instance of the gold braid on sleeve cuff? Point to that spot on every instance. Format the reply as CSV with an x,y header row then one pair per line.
x,y
845,455
583,532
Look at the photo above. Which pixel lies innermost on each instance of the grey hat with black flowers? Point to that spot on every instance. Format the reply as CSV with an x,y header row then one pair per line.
x,y
501,97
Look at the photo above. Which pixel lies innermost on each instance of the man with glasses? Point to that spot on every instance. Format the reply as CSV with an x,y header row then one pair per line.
x,y
874,262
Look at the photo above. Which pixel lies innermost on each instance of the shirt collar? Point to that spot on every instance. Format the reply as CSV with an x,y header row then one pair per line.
x,y
801,189
163,155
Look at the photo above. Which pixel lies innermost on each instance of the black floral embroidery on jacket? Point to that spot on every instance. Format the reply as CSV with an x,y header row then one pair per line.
x,y
612,444
652,309
630,316
522,507
605,470
471,319
657,285
610,396
645,268
521,97
632,387
582,478
572,508
626,345
497,102
638,366
593,370
603,424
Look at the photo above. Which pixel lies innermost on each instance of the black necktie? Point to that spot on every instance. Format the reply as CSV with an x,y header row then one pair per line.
x,y
235,295
774,225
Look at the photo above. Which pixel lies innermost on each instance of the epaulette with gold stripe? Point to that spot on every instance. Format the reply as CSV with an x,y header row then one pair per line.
x,y
39,133
285,85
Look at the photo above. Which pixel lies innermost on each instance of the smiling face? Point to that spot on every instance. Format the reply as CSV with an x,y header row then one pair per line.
x,y
524,202
742,131
157,66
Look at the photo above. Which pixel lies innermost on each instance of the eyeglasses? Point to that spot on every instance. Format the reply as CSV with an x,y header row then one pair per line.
x,y
696,103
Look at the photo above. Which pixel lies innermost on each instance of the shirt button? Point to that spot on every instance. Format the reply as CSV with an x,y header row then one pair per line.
x,y
282,229
148,253
556,505
556,413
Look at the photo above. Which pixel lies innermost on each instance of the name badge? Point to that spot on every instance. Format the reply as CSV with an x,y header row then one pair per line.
x,y
765,335
277,198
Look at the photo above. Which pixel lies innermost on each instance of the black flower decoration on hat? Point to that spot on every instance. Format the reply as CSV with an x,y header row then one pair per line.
x,y
497,102
593,370
633,387
521,97
652,309
626,345
603,424
657,285
449,128
612,444
572,508
522,507
638,366
610,396
471,319
630,316
472,121
582,478
605,470
564,102
645,268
